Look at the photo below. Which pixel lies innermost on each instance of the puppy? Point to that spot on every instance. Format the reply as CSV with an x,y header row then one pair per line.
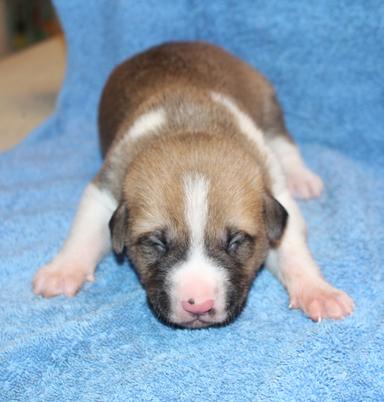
x,y
196,188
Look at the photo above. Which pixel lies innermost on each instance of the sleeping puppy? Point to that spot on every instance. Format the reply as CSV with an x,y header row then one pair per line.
x,y
196,188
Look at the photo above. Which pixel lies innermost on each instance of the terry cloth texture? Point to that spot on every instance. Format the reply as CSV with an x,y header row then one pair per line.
x,y
326,61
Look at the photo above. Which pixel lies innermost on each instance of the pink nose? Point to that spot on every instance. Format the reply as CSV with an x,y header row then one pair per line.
x,y
200,308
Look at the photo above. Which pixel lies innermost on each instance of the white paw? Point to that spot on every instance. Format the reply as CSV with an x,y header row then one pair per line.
x,y
305,184
56,279
322,302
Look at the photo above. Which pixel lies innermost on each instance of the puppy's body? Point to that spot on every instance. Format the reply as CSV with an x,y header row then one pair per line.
x,y
181,72
196,161
183,88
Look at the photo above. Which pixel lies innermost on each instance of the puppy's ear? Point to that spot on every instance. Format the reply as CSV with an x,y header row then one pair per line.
x,y
276,217
118,227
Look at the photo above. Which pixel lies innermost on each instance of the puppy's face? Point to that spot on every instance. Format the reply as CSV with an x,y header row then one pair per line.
x,y
196,239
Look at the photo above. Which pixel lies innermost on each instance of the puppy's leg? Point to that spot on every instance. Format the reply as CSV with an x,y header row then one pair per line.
x,y
294,265
87,243
302,182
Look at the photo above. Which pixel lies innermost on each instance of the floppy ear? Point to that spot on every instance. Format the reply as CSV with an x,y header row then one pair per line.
x,y
118,227
276,217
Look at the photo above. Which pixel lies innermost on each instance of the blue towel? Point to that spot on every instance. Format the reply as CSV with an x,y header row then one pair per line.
x,y
326,59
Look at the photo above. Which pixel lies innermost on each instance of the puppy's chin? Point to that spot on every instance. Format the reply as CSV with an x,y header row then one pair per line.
x,y
201,322
195,323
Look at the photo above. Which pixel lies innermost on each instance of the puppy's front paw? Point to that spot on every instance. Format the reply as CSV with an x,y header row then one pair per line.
x,y
305,184
56,279
322,302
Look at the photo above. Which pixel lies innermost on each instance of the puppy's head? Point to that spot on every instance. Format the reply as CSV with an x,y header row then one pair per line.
x,y
197,227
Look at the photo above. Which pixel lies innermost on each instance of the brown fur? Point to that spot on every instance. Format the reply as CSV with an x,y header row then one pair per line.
x,y
192,65
199,136
196,93
191,111
236,193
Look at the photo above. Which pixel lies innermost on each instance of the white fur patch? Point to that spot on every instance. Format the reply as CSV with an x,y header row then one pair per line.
x,y
198,277
87,243
245,123
196,189
144,125
248,127
292,249
147,123
89,238
287,153
302,182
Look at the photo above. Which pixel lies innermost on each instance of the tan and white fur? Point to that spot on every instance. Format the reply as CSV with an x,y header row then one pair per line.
x,y
197,188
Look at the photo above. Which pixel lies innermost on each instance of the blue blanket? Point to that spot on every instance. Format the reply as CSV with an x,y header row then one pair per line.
x,y
326,61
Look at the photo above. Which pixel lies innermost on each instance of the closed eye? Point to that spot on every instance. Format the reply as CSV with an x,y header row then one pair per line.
x,y
156,241
235,239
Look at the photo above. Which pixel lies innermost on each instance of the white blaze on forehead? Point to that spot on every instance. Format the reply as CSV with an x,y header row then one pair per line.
x,y
199,277
146,123
196,189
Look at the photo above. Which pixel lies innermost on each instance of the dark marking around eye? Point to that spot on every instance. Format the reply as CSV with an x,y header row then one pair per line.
x,y
155,241
236,239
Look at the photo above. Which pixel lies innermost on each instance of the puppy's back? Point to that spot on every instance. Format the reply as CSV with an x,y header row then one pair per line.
x,y
176,65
